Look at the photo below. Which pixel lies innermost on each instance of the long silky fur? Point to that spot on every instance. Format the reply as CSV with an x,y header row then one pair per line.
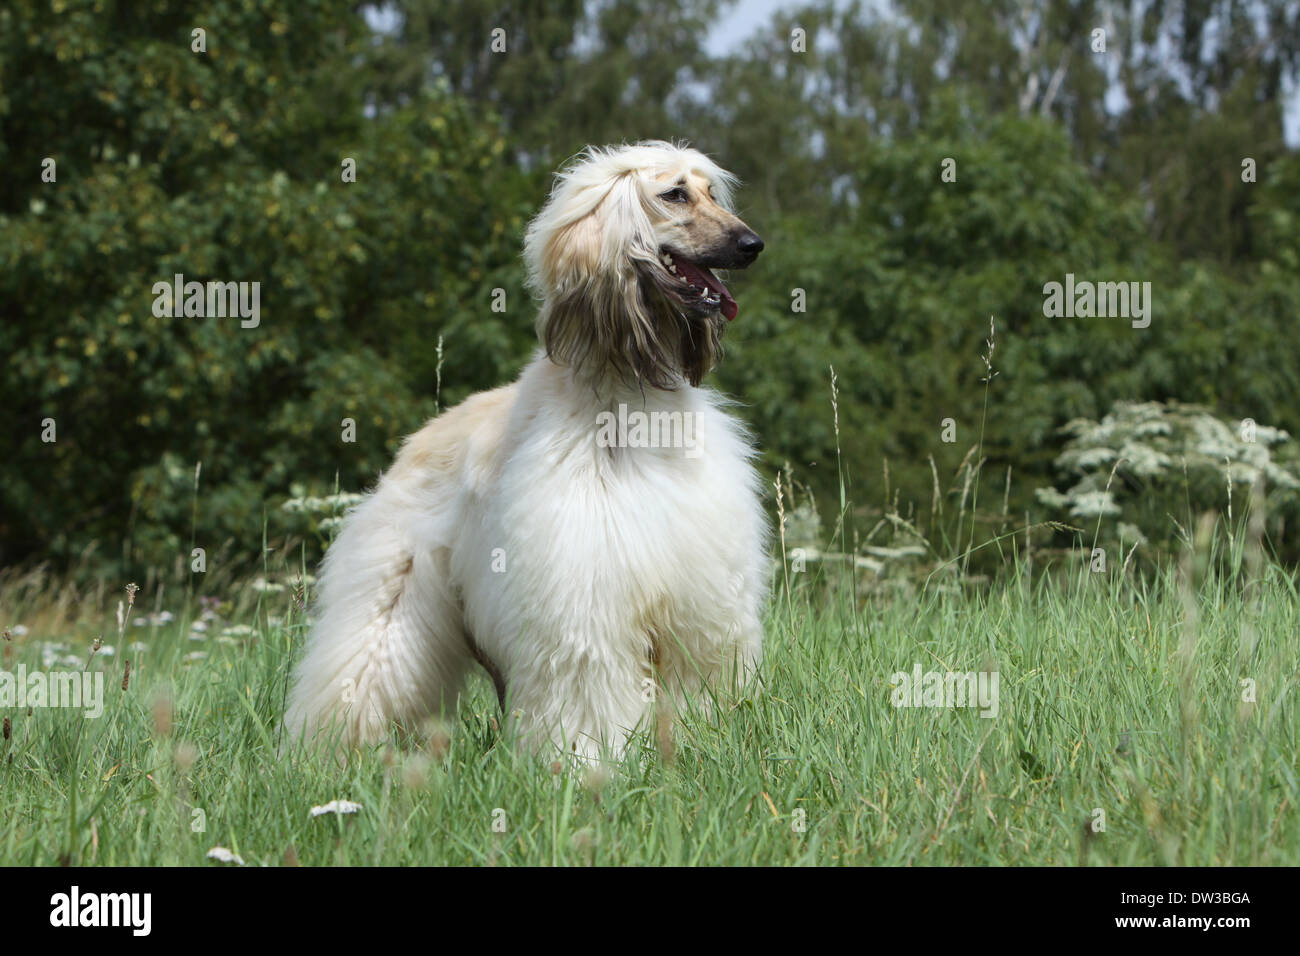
x,y
608,303
506,535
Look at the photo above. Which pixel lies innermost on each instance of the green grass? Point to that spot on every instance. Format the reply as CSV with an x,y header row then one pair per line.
x,y
1113,696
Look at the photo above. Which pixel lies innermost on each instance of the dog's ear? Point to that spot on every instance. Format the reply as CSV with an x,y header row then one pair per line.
x,y
599,309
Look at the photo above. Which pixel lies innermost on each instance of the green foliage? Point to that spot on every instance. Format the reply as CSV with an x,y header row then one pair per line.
x,y
227,166
1160,466
900,290
561,75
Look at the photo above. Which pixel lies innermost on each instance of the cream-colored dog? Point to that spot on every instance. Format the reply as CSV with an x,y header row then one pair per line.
x,y
592,534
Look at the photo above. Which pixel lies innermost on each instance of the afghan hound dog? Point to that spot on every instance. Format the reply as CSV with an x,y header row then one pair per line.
x,y
591,535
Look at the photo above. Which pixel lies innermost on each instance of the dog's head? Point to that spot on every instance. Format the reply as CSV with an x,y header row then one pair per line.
x,y
623,255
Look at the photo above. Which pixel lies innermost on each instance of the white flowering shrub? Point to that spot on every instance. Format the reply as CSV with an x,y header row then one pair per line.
x,y
319,516
1150,466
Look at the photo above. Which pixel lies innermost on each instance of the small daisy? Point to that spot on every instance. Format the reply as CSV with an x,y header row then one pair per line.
x,y
339,807
222,855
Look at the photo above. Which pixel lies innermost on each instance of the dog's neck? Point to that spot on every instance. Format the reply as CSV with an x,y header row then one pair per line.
x,y
641,340
606,387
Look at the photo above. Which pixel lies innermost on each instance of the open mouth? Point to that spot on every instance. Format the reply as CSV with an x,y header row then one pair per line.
x,y
712,293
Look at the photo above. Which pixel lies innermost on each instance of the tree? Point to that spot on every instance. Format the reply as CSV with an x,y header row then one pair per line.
x,y
561,75
229,165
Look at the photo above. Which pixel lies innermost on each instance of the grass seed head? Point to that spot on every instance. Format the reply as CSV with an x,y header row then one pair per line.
x,y
162,714
185,755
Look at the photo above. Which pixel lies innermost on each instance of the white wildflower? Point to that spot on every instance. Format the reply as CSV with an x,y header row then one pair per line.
x,y
1131,534
1144,460
1087,459
1093,504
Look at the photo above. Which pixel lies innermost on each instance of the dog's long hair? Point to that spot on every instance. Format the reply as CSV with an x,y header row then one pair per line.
x,y
594,257
509,533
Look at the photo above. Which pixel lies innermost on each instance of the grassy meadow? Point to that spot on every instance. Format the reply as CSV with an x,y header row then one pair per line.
x,y
1121,737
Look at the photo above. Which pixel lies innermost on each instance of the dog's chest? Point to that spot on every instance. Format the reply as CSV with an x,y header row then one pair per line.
x,y
636,509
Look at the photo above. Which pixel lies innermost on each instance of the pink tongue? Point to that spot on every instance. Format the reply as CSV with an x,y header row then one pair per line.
x,y
701,277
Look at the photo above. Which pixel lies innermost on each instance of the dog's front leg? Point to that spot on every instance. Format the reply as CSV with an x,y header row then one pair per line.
x,y
580,695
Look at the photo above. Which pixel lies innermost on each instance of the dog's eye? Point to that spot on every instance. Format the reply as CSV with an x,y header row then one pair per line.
x,y
676,194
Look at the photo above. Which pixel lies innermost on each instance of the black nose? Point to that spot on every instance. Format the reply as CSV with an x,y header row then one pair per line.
x,y
750,244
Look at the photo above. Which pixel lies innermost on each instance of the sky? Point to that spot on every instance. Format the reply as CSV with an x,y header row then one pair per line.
x,y
740,22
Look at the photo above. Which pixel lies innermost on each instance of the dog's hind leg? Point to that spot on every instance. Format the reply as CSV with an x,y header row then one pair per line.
x,y
388,645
